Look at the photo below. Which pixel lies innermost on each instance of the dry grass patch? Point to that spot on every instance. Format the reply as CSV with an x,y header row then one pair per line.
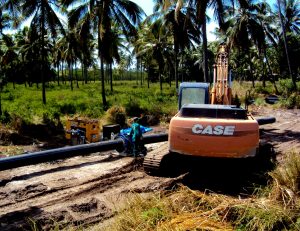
x,y
275,207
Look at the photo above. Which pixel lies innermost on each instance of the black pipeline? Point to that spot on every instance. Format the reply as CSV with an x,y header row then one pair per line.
x,y
71,151
265,120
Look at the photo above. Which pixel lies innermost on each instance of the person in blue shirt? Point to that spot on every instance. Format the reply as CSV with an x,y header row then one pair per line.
x,y
136,136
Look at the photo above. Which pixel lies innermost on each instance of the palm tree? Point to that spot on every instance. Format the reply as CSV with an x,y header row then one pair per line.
x,y
266,19
244,31
100,15
290,10
57,57
4,23
87,45
113,48
154,43
44,17
201,8
290,22
180,23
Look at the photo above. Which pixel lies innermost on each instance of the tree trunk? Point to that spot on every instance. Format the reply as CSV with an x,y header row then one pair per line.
x,y
76,76
160,81
170,77
103,84
111,77
148,79
70,77
251,72
205,61
285,46
107,75
86,74
141,72
58,74
137,72
176,70
82,73
0,100
62,73
43,52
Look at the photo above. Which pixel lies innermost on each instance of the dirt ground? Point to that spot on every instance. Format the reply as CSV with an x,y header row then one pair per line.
x,y
89,189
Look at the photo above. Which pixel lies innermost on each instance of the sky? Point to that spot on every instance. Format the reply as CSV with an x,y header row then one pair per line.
x,y
147,6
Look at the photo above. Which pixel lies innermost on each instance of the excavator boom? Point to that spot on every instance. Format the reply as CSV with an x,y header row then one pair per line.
x,y
221,90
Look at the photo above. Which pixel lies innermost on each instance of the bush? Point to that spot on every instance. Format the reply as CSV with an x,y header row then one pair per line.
x,y
116,115
264,90
5,117
292,101
286,177
67,108
133,108
18,123
286,87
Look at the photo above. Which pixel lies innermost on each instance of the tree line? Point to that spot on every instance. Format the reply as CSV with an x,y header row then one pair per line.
x,y
169,45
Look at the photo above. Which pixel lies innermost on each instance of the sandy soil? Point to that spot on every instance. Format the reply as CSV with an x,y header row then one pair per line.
x,y
285,133
89,189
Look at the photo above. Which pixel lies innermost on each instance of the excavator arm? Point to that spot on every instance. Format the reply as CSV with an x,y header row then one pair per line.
x,y
221,91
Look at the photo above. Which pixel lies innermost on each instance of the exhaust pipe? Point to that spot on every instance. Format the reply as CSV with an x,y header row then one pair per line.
x,y
67,152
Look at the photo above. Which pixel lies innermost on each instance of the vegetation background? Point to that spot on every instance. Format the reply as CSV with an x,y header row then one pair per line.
x,y
111,52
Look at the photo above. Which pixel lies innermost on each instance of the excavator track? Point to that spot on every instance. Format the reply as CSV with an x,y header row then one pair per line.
x,y
153,160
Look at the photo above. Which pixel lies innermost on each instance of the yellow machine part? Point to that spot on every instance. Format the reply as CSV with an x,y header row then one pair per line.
x,y
90,126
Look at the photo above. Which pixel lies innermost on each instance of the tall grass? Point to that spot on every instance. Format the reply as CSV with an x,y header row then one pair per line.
x,y
26,103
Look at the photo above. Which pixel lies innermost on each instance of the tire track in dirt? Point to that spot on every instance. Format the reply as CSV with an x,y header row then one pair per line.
x,y
284,134
79,190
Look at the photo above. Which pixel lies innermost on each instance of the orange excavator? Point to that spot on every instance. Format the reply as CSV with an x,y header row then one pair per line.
x,y
207,125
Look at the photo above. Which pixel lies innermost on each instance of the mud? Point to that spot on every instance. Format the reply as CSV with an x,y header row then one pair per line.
x,y
90,189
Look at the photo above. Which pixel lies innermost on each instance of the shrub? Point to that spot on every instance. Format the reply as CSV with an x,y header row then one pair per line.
x,y
67,108
18,123
133,108
264,90
159,96
292,101
116,114
5,117
287,179
10,97
286,87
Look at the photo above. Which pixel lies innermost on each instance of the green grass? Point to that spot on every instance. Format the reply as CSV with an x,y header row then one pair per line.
x,y
26,102
85,100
